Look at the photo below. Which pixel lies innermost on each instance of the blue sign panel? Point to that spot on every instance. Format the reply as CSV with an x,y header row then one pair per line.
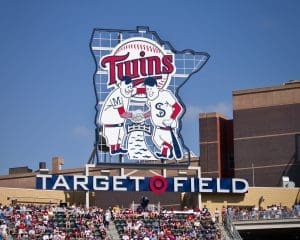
x,y
156,184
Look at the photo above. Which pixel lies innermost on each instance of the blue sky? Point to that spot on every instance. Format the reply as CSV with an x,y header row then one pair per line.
x,y
46,68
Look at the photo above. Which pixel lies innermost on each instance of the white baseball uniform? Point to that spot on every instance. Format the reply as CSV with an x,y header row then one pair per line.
x,y
161,109
110,119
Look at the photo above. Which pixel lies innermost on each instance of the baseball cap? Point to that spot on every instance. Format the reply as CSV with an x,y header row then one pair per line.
x,y
150,81
126,79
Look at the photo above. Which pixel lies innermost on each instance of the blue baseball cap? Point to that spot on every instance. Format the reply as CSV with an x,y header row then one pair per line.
x,y
150,81
126,79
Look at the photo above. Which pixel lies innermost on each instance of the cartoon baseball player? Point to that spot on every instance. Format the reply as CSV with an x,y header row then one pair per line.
x,y
164,113
114,114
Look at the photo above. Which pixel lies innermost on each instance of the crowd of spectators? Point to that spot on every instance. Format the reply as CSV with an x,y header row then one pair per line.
x,y
166,225
52,222
254,213
66,223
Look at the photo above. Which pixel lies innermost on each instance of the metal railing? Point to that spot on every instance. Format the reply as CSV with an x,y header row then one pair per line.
x,y
263,215
230,228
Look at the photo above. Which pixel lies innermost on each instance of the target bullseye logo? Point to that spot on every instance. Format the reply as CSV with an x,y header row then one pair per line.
x,y
158,184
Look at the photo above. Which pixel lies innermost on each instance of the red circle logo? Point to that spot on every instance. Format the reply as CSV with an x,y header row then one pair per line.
x,y
158,184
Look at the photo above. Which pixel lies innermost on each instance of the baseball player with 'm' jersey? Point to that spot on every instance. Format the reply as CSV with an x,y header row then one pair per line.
x,y
114,114
164,112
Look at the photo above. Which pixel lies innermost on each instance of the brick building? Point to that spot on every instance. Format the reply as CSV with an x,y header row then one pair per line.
x,y
261,143
216,145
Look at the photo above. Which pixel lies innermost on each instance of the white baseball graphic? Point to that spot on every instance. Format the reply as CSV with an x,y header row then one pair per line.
x,y
138,48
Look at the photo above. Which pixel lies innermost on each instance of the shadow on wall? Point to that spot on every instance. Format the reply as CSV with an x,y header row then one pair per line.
x,y
293,167
75,197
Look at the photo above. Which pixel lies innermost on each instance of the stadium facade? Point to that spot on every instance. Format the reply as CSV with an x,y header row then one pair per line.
x,y
260,144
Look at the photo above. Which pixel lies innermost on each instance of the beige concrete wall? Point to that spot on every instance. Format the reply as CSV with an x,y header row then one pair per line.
x,y
30,196
256,196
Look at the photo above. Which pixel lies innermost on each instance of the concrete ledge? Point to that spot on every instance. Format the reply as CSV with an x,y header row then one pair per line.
x,y
267,224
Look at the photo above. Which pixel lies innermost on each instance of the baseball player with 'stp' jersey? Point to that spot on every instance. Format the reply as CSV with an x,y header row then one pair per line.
x,y
164,112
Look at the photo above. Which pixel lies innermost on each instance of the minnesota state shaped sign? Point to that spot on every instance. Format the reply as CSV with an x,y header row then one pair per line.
x,y
139,110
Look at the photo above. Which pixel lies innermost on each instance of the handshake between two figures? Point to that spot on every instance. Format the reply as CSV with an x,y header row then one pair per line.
x,y
139,116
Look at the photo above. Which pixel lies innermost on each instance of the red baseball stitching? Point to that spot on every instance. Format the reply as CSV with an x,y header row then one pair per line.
x,y
136,46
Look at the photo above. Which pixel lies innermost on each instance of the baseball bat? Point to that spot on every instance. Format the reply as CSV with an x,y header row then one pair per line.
x,y
176,146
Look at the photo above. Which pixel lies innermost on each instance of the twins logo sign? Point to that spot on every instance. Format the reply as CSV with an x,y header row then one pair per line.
x,y
137,81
